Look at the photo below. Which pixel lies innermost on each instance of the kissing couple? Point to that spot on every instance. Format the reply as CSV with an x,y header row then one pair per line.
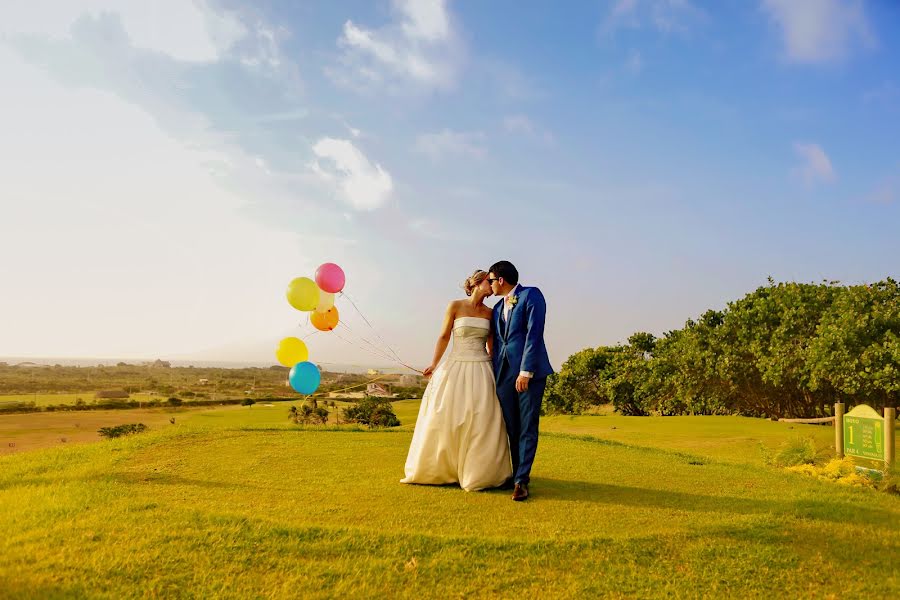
x,y
478,421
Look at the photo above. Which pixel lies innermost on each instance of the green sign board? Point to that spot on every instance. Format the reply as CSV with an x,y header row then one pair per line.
x,y
864,433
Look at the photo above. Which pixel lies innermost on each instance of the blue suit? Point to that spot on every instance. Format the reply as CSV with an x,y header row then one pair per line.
x,y
519,346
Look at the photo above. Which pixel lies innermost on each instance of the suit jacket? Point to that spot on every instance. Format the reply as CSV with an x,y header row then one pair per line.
x,y
520,340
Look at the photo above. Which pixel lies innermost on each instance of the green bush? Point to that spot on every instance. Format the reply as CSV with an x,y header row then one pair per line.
x,y
120,430
309,414
374,412
248,402
797,451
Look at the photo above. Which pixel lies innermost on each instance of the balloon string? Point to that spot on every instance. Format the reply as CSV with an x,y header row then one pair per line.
x,y
395,358
352,332
379,353
375,331
349,388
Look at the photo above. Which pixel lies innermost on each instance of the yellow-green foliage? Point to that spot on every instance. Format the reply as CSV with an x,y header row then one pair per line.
x,y
838,470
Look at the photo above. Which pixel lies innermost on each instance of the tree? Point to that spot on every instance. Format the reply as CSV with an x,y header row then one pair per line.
x,y
372,411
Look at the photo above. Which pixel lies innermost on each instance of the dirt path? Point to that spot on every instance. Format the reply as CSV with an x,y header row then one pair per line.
x,y
23,432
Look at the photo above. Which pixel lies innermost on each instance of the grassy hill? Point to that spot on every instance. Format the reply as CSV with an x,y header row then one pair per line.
x,y
236,503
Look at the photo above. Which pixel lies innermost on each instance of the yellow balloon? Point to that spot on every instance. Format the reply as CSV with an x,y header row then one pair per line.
x,y
326,301
291,351
303,294
325,321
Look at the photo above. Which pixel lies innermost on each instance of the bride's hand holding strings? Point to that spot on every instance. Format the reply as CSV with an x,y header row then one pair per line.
x,y
428,371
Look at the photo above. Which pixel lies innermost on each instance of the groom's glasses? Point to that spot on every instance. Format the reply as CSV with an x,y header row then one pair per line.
x,y
493,280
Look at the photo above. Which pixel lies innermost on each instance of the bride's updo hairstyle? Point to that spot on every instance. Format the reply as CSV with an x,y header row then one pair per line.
x,y
474,281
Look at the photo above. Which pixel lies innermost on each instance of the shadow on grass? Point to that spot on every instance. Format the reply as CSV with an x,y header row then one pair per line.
x,y
560,490
131,478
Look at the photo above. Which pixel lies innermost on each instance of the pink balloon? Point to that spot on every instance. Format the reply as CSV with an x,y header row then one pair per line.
x,y
330,278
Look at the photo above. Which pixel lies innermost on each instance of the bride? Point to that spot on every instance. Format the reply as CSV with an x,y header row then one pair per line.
x,y
460,435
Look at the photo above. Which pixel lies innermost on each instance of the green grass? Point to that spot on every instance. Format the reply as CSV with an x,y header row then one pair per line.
x,y
60,399
231,503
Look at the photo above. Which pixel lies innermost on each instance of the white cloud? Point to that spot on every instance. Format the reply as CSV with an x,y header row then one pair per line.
x,y
447,142
520,124
820,31
419,48
364,185
665,16
815,166
127,243
185,31
425,19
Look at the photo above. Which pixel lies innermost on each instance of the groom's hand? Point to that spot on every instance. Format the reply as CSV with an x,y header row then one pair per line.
x,y
522,383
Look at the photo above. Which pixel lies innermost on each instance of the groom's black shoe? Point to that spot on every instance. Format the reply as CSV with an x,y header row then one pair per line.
x,y
507,485
521,492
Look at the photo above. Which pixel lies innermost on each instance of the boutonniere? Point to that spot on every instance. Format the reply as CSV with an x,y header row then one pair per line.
x,y
512,301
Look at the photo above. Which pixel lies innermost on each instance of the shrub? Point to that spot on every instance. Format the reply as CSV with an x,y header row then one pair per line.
x,y
248,402
374,412
796,451
120,430
174,402
838,470
308,415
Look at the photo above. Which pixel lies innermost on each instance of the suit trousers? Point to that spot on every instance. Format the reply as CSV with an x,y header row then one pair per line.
x,y
521,412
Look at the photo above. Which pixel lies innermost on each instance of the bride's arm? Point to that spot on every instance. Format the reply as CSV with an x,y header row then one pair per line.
x,y
443,339
490,341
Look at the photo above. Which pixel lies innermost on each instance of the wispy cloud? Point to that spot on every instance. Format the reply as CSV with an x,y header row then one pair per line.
x,y
820,31
419,48
887,191
887,94
519,124
815,166
363,184
448,143
664,16
634,64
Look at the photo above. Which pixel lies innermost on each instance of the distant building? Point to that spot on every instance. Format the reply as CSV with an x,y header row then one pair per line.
x,y
373,372
409,380
204,381
379,390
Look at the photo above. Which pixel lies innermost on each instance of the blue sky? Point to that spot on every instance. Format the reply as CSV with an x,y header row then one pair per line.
x,y
170,166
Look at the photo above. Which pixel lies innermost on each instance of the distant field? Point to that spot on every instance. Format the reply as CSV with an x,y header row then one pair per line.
x,y
31,431
58,399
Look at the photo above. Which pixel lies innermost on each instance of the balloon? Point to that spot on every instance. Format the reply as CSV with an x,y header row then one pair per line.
x,y
325,321
326,301
291,351
330,278
305,377
303,294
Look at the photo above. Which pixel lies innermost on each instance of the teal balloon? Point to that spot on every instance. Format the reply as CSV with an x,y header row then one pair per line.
x,y
305,377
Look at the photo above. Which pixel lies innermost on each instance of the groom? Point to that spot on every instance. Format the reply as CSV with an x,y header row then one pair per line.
x,y
521,366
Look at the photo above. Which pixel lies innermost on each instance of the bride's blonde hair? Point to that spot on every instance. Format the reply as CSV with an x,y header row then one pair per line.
x,y
474,281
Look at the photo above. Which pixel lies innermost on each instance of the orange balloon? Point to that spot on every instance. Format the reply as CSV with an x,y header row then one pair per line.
x,y
325,321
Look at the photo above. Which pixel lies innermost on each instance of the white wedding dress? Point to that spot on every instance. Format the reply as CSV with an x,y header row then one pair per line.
x,y
460,435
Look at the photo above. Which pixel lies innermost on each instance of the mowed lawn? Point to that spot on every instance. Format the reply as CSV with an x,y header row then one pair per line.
x,y
237,503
